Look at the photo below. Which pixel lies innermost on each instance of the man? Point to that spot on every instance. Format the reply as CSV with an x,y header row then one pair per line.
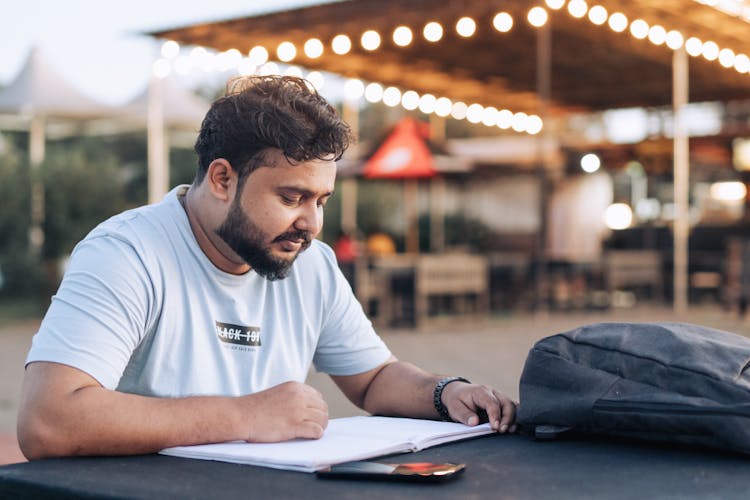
x,y
196,320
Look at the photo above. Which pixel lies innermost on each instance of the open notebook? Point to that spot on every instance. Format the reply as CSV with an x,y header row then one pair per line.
x,y
345,440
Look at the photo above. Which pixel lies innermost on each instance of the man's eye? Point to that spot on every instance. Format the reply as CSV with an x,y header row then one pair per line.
x,y
289,200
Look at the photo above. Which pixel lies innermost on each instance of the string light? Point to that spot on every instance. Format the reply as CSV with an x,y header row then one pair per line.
x,y
270,68
258,55
534,125
466,27
246,67
503,22
674,39
458,110
639,29
598,15
410,100
341,44
427,103
353,89
489,116
618,22
201,58
293,71
474,113
391,97
402,36
317,79
313,48
504,119
726,58
520,120
170,49
373,92
657,34
286,51
694,46
370,40
742,63
710,50
577,8
257,60
443,106
537,17
432,31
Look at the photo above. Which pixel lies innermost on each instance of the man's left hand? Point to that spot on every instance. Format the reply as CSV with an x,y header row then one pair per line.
x,y
472,404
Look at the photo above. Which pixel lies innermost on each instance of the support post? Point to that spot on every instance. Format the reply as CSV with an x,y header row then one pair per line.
x,y
681,171
158,152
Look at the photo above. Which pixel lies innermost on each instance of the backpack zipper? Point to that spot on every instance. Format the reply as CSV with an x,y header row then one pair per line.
x,y
682,409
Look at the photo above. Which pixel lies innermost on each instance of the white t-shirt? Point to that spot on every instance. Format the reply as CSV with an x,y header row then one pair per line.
x,y
142,310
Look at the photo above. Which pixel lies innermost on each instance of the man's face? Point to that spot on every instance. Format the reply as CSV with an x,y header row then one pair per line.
x,y
277,213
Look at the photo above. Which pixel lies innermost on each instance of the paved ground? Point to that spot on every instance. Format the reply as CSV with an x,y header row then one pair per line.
x,y
492,353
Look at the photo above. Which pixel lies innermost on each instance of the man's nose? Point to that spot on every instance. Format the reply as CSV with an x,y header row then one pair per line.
x,y
310,219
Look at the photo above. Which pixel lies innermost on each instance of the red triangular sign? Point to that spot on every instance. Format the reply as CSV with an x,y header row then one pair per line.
x,y
403,155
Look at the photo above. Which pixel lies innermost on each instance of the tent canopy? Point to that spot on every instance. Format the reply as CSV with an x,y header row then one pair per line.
x,y
403,154
40,90
181,108
592,67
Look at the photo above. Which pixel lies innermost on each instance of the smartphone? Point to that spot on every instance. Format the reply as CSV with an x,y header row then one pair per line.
x,y
414,471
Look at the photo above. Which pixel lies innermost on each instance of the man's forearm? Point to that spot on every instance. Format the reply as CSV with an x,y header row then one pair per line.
x,y
66,412
97,421
402,389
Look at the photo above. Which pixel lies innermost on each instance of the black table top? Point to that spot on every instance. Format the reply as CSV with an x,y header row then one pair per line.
x,y
498,466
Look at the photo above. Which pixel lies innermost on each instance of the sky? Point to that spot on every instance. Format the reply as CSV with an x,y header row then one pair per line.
x,y
98,46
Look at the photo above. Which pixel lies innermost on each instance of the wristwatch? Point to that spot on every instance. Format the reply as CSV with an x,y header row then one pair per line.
x,y
437,396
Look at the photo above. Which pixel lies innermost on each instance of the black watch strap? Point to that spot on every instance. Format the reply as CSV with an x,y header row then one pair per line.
x,y
437,396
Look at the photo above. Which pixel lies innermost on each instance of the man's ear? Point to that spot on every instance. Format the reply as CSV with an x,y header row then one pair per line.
x,y
221,179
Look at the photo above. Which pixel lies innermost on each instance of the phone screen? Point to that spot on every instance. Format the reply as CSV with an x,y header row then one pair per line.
x,y
414,471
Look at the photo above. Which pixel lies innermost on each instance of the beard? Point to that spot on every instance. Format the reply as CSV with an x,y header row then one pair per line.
x,y
247,240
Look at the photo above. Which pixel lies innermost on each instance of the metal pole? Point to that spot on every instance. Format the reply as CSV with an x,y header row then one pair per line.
x,y
437,191
543,82
350,112
36,157
681,180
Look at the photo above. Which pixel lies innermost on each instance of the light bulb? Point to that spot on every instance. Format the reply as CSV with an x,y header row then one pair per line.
x,y
341,44
432,31
313,48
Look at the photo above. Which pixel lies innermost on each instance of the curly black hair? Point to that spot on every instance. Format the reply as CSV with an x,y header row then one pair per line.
x,y
262,112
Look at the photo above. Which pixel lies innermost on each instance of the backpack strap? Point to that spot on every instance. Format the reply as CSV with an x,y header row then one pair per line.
x,y
548,432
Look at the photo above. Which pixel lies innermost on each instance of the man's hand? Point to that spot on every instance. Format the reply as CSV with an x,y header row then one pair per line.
x,y
286,411
471,404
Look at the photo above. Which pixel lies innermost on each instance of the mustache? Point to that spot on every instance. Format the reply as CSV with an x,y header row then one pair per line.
x,y
305,236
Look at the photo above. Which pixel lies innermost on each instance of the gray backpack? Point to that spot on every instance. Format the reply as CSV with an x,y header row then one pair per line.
x,y
657,381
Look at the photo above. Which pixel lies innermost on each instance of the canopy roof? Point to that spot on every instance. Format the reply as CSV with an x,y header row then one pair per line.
x,y
403,154
592,67
40,90
181,108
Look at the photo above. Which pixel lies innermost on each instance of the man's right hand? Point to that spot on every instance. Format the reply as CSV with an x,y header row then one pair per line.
x,y
286,411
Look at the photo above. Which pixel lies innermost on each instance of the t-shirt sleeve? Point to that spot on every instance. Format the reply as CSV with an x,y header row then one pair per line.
x,y
348,344
100,312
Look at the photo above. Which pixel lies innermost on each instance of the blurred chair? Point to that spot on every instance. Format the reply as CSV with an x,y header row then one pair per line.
x,y
634,270
452,286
